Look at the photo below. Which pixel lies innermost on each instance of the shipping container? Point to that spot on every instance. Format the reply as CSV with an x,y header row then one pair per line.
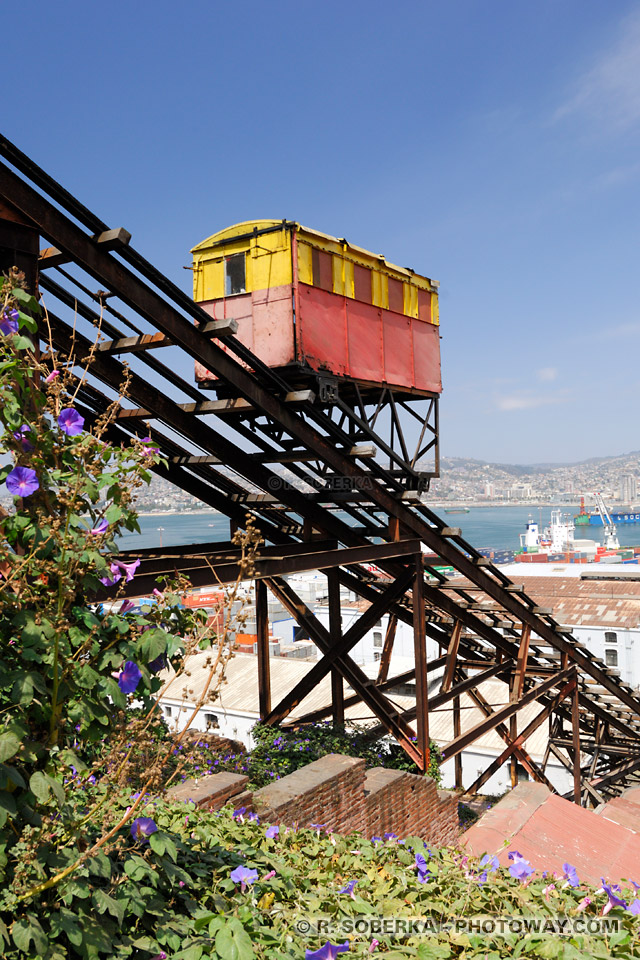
x,y
310,302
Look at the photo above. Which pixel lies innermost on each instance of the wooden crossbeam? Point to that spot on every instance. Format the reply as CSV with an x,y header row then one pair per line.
x,y
521,738
452,656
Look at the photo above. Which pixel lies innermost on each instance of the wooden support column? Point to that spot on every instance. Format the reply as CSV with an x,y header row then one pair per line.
x,y
262,628
457,730
517,687
385,659
575,722
420,651
452,657
335,633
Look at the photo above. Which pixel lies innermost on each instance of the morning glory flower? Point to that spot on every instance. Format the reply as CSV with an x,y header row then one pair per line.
x,y
634,907
116,575
584,903
52,376
21,436
391,836
614,901
100,527
142,828
570,874
239,812
272,832
149,451
329,952
373,946
252,816
129,677
375,840
159,663
125,607
521,869
482,877
9,322
22,482
243,876
127,568
71,422
348,888
490,862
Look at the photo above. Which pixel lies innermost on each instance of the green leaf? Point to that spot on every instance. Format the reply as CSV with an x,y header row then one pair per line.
x,y
42,785
9,745
22,343
27,299
233,942
24,931
105,903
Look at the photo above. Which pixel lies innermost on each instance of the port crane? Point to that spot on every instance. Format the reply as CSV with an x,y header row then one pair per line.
x,y
610,540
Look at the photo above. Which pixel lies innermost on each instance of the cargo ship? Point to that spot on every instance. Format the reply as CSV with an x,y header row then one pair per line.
x,y
557,543
595,517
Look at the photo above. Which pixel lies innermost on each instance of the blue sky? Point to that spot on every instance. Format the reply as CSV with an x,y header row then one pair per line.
x,y
490,144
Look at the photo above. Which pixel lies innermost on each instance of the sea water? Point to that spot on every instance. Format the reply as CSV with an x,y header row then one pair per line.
x,y
494,528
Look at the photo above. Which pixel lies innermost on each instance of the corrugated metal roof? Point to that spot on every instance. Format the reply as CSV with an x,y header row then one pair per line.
x,y
579,602
240,694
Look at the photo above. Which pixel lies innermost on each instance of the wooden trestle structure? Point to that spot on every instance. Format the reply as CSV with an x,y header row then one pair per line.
x,y
223,452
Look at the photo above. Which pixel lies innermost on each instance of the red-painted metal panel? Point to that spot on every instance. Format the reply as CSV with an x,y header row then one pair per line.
x,y
335,334
366,352
362,283
322,266
322,334
398,349
396,295
424,305
426,356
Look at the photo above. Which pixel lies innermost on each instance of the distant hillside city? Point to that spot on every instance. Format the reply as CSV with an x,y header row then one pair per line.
x,y
476,481
473,481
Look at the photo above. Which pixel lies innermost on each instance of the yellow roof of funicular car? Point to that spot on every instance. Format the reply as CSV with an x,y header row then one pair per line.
x,y
260,238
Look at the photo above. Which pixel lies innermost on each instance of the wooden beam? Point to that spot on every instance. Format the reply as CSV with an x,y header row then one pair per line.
x,y
420,657
452,656
264,671
387,649
335,632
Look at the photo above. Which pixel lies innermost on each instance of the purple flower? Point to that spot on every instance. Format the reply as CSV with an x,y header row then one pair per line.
x,y
521,869
252,816
149,451
329,952
243,876
142,828
375,840
515,855
421,865
569,873
614,901
100,527
272,832
9,322
391,836
22,482
111,581
160,663
482,877
127,568
52,376
634,907
21,436
71,422
373,946
349,888
238,813
492,863
126,606
129,677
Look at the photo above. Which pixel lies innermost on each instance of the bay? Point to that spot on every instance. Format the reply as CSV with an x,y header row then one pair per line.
x,y
495,528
